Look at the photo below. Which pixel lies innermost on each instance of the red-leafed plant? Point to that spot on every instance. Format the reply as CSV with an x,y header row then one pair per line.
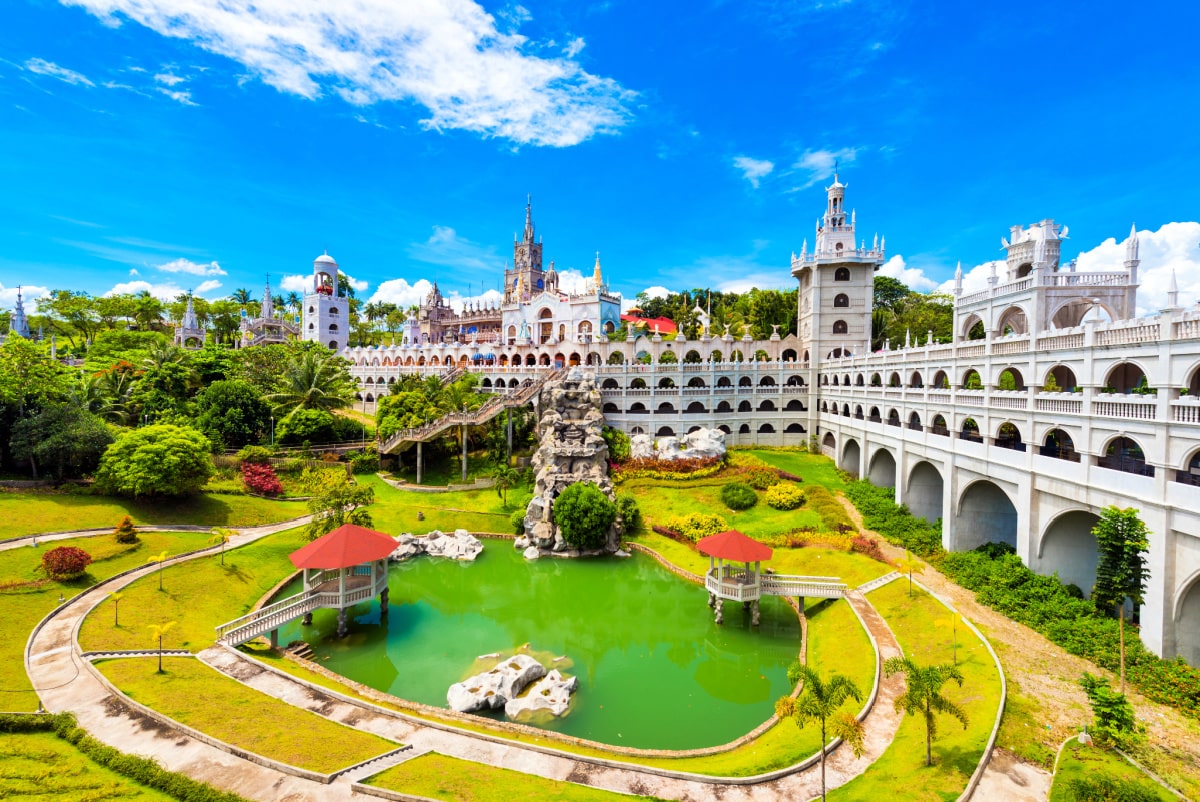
x,y
261,479
65,562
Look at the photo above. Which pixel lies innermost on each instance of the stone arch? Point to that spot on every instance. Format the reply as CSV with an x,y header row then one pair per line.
x,y
736,356
1058,444
841,300
882,470
666,408
766,381
531,360
609,384
894,418
766,405
693,429
766,428
985,515
1187,620
1010,379
1067,547
724,406
874,416
851,454
694,408
744,429
795,406
1124,377
725,429
724,381
876,380
970,431
574,359
745,406
665,431
637,408
666,382
789,355
971,380
858,380
1193,382
616,358
1124,454
611,408
692,357
797,381
715,356
794,428
696,381
924,496
894,379
745,381
846,379
544,360
939,426
829,441
972,328
1009,436
915,380
941,381
840,327
841,274
1070,313
1190,473
487,384
858,411
914,422
824,406
846,410
1012,321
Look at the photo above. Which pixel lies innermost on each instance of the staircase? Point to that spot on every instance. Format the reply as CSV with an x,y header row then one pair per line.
x,y
495,404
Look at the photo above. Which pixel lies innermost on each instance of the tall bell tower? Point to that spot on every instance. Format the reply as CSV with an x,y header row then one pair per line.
x,y
525,279
326,312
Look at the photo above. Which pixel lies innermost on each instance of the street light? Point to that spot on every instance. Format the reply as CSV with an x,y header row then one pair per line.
x,y
272,431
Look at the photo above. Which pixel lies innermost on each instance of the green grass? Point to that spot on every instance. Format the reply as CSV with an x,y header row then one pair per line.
x,y
40,765
192,693
440,777
660,503
197,595
956,751
1078,761
33,513
815,468
441,471
395,510
853,569
27,597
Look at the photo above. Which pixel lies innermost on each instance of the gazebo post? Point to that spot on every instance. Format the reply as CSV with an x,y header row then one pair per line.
x,y
383,596
342,630
420,462
712,597
718,607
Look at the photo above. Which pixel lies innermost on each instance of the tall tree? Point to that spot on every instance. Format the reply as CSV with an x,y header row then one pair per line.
x,y
819,701
1121,573
924,695
313,380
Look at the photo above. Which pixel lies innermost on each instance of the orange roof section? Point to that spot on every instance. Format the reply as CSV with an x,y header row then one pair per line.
x,y
733,545
346,546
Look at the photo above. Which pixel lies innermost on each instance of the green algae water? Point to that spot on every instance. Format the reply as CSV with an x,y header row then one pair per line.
x,y
654,670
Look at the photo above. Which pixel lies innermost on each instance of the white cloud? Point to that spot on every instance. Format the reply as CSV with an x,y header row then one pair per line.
x,y
572,282
574,47
169,79
164,292
446,55
398,291
753,170
133,271
771,280
488,298
358,284
975,278
29,296
818,165
912,277
42,67
207,286
300,284
1174,247
189,267
446,247
181,97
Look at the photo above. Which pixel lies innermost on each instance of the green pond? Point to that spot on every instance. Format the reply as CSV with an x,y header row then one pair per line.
x,y
654,670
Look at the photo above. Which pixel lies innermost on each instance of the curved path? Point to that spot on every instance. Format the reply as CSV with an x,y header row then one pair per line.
x,y
64,683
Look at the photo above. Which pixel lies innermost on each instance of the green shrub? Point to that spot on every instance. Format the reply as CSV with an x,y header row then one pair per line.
x,y
761,477
517,519
257,455
627,506
364,462
1104,787
784,496
618,444
126,532
158,460
738,496
697,525
65,562
584,514
824,503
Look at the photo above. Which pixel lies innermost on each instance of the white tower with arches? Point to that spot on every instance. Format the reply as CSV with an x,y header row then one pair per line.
x,y
326,312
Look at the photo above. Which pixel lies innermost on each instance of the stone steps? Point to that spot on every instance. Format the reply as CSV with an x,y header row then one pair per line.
x,y
875,584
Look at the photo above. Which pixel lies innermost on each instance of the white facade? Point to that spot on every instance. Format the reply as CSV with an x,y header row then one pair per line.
x,y
326,313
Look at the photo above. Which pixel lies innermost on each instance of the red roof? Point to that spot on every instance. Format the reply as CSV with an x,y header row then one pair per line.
x,y
733,545
665,324
346,546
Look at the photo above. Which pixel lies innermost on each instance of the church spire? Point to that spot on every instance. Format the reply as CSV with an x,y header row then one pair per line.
x,y
268,304
528,218
18,323
597,279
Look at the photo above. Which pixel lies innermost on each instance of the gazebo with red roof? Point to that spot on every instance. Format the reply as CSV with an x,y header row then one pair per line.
x,y
347,566
725,580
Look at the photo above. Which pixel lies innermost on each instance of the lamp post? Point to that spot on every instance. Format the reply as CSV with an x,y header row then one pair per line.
x,y
272,431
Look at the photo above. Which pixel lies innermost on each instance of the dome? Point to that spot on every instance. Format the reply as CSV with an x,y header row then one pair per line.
x,y
325,259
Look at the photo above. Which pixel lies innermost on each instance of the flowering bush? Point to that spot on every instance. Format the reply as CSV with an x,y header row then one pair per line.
x,y
261,479
860,544
784,497
691,468
761,478
65,562
697,525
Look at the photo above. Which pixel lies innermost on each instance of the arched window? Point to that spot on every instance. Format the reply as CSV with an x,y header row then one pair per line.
x,y
841,274
840,327
841,299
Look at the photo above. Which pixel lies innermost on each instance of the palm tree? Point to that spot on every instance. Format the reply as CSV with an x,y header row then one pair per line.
x,y
158,631
115,597
819,701
240,296
294,302
505,478
952,622
159,558
221,535
924,695
312,381
908,564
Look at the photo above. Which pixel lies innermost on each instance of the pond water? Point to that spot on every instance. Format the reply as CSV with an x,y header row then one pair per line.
x,y
654,670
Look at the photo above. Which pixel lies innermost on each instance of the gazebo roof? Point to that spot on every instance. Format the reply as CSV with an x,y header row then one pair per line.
x,y
733,545
346,546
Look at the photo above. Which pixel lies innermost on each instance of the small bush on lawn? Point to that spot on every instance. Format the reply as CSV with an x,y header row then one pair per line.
x,y
627,506
366,462
761,478
1104,787
697,525
868,547
689,468
738,496
784,497
65,562
261,479
126,532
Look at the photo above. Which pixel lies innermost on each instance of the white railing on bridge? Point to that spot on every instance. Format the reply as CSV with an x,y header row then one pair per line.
x,y
825,587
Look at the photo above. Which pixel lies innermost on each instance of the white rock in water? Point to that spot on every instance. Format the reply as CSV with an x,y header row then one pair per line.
x,y
551,693
461,545
494,688
521,543
531,553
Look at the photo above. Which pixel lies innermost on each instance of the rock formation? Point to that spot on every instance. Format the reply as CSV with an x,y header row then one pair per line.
x,y
696,445
494,688
551,693
461,545
571,449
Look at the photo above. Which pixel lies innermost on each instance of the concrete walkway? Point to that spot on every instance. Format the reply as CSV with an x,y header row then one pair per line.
x,y
64,683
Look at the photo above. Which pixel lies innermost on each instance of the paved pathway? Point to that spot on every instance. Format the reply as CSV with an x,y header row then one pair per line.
x,y
64,683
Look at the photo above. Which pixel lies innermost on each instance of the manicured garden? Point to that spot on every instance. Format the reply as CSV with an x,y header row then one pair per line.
x,y
41,765
200,697
918,622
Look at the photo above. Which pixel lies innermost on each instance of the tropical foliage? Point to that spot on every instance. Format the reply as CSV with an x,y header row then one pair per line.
x,y
923,695
584,514
820,703
159,460
65,562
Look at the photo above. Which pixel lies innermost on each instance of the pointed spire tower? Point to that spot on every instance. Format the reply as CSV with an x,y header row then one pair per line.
x,y
597,278
18,323
268,303
189,333
527,262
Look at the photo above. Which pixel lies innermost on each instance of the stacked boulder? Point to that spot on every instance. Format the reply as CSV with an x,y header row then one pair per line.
x,y
461,545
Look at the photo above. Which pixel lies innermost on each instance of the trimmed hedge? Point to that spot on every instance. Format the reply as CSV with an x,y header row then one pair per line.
x,y
784,497
833,514
140,770
738,496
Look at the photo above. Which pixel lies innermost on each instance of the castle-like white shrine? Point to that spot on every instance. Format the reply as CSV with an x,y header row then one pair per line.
x,y
1022,430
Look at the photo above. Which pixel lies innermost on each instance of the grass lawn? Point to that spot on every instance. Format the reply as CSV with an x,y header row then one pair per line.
x,y
197,595
33,513
395,510
815,468
442,471
956,751
27,597
854,569
191,693
1078,761
659,504
439,777
43,766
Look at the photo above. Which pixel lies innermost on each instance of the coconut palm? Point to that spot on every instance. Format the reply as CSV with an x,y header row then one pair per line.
x,y
157,631
240,296
159,559
819,701
312,381
924,695
294,302
115,597
221,535
908,564
505,478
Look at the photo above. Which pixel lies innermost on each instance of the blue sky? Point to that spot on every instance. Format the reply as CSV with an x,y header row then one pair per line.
x,y
176,144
